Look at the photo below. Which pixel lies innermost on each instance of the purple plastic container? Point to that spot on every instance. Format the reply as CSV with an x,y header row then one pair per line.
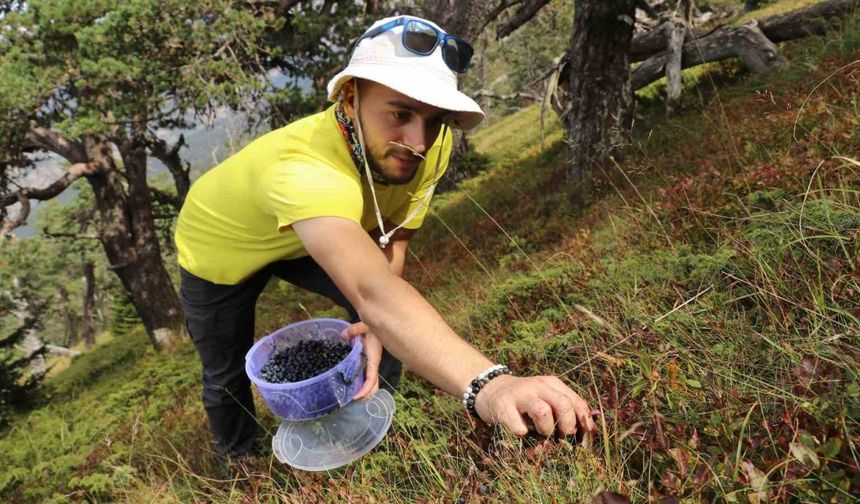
x,y
316,396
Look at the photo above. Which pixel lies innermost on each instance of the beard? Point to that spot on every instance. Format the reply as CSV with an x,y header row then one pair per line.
x,y
379,175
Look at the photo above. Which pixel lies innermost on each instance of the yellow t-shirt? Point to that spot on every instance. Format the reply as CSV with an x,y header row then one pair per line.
x,y
237,216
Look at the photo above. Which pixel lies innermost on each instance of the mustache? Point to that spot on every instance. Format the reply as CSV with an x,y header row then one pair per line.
x,y
406,151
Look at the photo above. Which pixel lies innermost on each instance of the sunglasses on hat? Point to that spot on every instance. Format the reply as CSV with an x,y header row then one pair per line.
x,y
420,37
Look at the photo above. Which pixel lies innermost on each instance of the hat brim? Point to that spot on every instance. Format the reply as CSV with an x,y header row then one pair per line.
x,y
408,81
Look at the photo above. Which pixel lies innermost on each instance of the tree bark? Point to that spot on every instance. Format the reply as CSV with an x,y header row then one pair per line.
x,y
88,332
128,236
123,200
812,20
673,65
601,100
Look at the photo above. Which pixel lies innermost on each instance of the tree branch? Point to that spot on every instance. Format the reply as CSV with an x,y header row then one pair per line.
x,y
25,194
497,10
512,96
803,22
179,169
74,172
11,224
54,141
523,15
51,234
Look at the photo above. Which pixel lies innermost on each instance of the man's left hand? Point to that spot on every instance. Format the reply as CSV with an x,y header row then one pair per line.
x,y
373,352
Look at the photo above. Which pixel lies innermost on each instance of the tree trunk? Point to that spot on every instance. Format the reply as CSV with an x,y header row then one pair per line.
x,y
70,319
129,239
88,332
466,19
601,99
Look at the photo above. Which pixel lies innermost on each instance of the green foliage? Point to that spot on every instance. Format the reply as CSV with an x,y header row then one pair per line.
x,y
464,165
24,300
123,316
19,388
517,62
85,443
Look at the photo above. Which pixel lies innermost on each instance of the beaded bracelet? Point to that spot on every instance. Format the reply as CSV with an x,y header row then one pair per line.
x,y
478,383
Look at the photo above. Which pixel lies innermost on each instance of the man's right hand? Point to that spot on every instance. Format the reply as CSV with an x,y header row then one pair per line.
x,y
546,400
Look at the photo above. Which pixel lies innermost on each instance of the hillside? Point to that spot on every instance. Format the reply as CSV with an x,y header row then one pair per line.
x,y
702,294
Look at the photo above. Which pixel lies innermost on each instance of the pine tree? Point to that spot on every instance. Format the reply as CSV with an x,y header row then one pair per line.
x,y
19,389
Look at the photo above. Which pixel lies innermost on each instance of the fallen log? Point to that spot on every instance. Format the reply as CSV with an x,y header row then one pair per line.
x,y
751,43
58,350
748,43
812,20
799,23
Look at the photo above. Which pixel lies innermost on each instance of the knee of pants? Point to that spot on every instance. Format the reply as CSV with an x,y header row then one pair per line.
x,y
225,393
390,370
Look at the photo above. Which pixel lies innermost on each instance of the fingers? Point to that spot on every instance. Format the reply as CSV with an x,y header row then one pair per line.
x,y
373,352
354,330
541,414
580,407
369,388
507,415
583,415
546,400
563,410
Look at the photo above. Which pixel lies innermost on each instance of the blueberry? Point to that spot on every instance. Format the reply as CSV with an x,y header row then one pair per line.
x,y
304,360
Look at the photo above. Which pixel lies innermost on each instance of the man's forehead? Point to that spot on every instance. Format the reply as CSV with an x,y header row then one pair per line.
x,y
395,98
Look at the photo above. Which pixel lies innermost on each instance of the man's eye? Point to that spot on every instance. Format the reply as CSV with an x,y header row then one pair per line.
x,y
400,116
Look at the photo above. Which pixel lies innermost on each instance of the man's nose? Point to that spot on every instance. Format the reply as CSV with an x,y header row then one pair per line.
x,y
415,136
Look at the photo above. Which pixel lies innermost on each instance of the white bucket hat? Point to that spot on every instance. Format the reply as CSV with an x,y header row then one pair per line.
x,y
428,79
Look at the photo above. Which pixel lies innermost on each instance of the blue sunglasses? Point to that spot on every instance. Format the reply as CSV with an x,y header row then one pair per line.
x,y
419,37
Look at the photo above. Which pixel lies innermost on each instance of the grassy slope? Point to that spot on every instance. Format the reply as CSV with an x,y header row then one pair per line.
x,y
703,295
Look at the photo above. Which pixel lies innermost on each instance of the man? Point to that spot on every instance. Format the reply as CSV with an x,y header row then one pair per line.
x,y
329,203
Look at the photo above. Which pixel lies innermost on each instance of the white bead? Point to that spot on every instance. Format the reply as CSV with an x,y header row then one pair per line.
x,y
383,240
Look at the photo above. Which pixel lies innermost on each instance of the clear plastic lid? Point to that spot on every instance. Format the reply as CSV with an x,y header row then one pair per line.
x,y
338,438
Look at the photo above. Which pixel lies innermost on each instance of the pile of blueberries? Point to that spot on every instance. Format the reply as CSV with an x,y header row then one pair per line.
x,y
304,360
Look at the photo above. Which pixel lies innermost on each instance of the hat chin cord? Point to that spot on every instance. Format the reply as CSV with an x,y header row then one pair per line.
x,y
386,237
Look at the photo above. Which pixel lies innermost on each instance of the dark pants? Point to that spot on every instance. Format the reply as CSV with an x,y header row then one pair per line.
x,y
220,320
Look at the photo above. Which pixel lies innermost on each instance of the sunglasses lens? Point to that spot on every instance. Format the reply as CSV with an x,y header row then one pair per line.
x,y
458,54
419,37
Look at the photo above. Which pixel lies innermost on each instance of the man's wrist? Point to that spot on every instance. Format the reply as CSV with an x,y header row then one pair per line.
x,y
479,382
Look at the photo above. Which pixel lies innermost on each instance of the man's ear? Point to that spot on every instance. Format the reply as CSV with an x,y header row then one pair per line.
x,y
348,93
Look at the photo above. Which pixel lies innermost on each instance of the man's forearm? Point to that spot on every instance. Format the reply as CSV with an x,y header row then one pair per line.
x,y
414,332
